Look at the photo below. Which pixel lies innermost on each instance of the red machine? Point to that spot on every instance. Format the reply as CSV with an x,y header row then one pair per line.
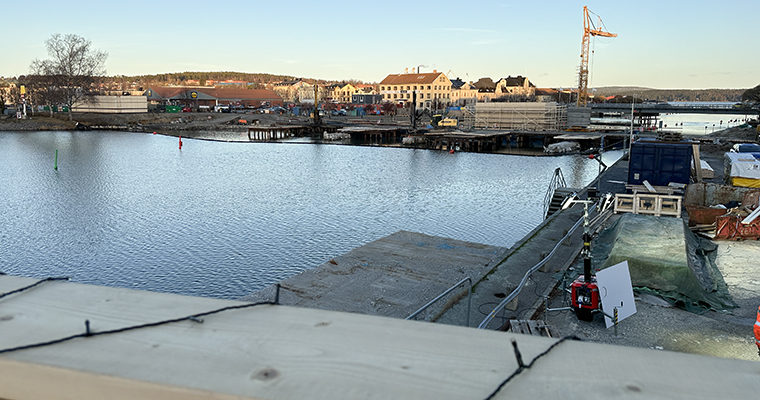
x,y
584,290
585,298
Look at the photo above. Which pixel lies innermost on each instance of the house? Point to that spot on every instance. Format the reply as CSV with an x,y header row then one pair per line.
x,y
544,95
433,89
514,86
294,90
463,93
486,89
365,89
209,97
341,92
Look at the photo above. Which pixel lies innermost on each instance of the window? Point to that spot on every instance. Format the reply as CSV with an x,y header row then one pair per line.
x,y
415,87
429,87
428,95
407,87
421,105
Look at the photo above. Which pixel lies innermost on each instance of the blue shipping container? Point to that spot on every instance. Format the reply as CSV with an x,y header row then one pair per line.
x,y
660,163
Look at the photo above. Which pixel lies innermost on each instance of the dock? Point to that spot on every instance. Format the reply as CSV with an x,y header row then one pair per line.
x,y
392,277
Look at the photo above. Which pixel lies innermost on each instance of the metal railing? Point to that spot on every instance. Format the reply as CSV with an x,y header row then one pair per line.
x,y
533,269
440,296
558,180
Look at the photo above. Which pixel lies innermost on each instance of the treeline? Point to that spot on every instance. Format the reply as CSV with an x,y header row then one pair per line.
x,y
727,95
179,78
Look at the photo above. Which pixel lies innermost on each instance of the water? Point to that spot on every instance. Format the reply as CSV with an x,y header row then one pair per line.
x,y
701,124
225,219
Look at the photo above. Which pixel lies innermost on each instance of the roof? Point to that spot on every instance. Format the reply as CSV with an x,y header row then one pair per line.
x,y
485,85
410,79
516,81
457,83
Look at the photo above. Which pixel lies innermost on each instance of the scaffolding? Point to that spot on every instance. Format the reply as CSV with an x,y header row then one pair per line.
x,y
516,116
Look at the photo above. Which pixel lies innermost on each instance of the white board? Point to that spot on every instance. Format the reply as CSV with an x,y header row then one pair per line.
x,y
616,291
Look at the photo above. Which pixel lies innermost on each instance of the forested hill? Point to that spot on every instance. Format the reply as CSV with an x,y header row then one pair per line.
x,y
200,78
731,95
178,78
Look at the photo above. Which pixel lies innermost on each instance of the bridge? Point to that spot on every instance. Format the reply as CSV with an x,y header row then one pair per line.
x,y
670,108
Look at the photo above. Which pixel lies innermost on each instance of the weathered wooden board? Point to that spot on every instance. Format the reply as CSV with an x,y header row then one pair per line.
x,y
294,353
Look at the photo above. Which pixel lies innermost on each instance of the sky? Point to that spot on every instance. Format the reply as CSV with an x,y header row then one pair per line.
x,y
660,44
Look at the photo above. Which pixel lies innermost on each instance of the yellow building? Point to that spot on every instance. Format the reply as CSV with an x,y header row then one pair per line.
x,y
463,93
433,89
341,92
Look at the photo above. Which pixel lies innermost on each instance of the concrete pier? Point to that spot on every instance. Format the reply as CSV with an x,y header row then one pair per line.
x,y
393,276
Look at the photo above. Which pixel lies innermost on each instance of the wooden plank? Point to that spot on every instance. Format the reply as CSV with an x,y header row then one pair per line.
x,y
524,327
533,328
291,352
22,380
697,163
515,326
552,331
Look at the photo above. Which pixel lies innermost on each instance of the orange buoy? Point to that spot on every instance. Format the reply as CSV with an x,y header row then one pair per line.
x,y
180,142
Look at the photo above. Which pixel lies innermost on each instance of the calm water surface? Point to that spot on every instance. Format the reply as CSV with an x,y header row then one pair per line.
x,y
225,219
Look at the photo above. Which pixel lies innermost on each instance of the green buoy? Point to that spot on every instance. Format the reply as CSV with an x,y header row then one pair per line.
x,y
56,159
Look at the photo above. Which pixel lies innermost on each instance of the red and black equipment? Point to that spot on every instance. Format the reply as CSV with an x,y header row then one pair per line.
x,y
584,290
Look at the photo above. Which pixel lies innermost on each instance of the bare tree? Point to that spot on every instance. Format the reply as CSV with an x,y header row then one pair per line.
x,y
72,70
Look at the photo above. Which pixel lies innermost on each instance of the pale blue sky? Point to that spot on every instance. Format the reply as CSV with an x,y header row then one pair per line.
x,y
660,44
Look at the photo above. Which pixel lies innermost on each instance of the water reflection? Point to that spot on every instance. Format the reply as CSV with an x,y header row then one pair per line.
x,y
224,219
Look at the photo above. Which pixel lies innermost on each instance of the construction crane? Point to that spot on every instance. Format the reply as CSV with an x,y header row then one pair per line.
x,y
588,30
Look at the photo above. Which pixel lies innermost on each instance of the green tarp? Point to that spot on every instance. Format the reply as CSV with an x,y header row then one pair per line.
x,y
665,257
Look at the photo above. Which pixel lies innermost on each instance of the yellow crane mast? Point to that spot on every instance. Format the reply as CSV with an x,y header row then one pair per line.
x,y
588,30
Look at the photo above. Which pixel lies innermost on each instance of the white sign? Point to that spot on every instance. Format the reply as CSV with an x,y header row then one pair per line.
x,y
616,291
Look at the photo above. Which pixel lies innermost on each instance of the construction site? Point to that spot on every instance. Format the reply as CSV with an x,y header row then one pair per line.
x,y
642,284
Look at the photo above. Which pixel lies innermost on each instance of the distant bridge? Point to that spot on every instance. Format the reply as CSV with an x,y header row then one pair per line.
x,y
668,108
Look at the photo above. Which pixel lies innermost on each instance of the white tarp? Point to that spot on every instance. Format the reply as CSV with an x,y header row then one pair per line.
x,y
741,165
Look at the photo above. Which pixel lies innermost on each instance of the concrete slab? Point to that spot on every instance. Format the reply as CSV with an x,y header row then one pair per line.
x,y
393,276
